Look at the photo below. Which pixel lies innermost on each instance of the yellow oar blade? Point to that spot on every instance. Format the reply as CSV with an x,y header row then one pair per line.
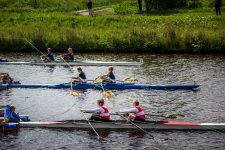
x,y
130,79
108,94
75,93
98,79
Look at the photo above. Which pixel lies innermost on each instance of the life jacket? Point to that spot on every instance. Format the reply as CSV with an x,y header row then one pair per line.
x,y
140,114
106,114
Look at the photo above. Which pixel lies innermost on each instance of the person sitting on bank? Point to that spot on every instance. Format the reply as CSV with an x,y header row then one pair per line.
x,y
68,56
48,56
99,114
136,113
110,77
10,114
81,76
5,78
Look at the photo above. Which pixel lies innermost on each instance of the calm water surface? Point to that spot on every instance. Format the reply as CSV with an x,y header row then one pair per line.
x,y
205,105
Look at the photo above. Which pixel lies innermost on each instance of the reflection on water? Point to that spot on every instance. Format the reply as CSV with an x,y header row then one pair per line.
x,y
205,105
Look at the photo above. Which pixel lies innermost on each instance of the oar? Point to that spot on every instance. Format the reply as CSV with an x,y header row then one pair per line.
x,y
107,93
67,63
130,79
136,125
91,125
73,93
172,116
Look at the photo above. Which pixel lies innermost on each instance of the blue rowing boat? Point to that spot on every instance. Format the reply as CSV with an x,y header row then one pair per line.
x,y
109,86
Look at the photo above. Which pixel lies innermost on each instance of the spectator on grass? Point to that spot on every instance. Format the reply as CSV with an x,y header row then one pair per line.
x,y
89,4
218,4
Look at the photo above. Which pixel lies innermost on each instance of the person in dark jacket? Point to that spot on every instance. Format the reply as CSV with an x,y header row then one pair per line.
x,y
140,5
89,4
11,114
218,4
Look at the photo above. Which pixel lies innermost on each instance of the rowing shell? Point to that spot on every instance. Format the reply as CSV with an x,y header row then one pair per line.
x,y
76,63
118,86
122,125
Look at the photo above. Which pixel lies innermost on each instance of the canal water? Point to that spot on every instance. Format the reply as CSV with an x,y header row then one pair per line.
x,y
204,105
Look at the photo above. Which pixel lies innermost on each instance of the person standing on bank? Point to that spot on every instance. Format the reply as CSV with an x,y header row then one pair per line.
x,y
89,4
218,4
140,5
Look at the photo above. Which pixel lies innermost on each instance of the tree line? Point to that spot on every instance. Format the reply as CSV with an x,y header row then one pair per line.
x,y
171,4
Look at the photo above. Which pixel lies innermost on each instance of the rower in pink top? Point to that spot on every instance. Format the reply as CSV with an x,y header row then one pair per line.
x,y
136,113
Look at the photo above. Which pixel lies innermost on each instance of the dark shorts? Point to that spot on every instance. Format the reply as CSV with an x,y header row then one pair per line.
x,y
97,117
139,119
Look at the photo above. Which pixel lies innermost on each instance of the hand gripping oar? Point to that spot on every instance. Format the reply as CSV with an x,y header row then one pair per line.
x,y
136,125
91,125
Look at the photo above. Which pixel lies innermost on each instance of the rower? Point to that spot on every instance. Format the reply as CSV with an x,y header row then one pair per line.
x,y
68,56
10,114
99,114
110,77
5,78
48,56
136,113
81,76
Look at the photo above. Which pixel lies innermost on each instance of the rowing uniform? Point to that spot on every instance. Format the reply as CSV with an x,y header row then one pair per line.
x,y
11,115
140,115
99,114
82,77
50,57
111,78
69,56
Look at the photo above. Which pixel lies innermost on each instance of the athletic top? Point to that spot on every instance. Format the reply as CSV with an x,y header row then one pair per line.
x,y
50,56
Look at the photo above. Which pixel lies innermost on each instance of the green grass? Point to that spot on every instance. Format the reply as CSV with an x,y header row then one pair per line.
x,y
125,31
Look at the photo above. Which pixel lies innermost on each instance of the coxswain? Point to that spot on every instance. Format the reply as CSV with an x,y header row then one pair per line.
x,y
68,56
110,77
136,113
5,78
99,114
48,56
81,76
10,114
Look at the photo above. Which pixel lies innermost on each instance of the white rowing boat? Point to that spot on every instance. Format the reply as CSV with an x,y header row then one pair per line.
x,y
75,63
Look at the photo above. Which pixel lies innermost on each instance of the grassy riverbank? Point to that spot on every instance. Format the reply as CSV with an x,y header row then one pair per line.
x,y
125,30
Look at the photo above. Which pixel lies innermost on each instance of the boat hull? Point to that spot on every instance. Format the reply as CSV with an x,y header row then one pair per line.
x,y
121,125
109,86
76,63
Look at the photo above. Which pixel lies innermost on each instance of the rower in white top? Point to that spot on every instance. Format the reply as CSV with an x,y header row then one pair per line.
x,y
136,113
99,114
